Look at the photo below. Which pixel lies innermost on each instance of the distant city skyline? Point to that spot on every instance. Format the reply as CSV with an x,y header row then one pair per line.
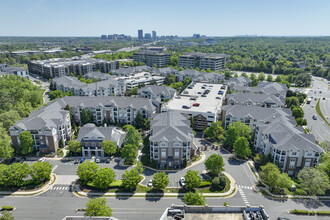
x,y
182,18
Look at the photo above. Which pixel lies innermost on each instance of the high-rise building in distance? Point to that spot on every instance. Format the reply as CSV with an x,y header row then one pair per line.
x,y
147,36
154,36
140,34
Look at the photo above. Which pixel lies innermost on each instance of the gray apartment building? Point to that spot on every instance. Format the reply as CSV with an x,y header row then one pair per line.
x,y
65,66
91,138
212,61
13,70
289,146
171,139
106,87
152,57
158,93
262,100
48,126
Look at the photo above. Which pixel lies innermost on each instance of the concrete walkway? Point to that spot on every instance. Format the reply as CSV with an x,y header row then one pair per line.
x,y
45,188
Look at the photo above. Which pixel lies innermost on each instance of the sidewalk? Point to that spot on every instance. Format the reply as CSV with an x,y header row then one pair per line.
x,y
35,192
230,193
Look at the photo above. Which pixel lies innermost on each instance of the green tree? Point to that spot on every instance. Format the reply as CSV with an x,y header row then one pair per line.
x,y
26,142
55,94
135,91
215,131
169,79
227,74
40,171
7,216
219,182
129,153
86,117
253,76
261,77
139,120
297,112
139,167
291,101
132,137
269,78
270,174
160,180
254,83
97,207
313,180
235,130
109,147
214,164
325,145
192,179
242,147
103,178
244,75
191,198
61,143
6,151
131,179
14,174
86,171
74,146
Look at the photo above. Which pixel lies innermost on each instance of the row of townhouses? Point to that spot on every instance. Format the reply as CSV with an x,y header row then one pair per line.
x,y
65,66
12,70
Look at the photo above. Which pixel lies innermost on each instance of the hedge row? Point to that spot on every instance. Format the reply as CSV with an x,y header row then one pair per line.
x,y
7,208
306,212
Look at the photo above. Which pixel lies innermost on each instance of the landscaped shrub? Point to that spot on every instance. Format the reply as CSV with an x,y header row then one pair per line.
x,y
277,190
300,192
219,182
299,212
323,213
7,208
312,213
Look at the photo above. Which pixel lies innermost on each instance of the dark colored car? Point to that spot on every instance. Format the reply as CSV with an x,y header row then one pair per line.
x,y
185,107
22,160
107,160
12,160
82,160
76,161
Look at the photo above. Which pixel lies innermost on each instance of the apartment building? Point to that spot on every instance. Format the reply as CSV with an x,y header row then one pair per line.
x,y
48,126
238,82
289,146
131,71
12,70
252,115
107,87
271,88
141,79
262,100
65,66
91,138
111,109
214,62
152,57
158,93
171,139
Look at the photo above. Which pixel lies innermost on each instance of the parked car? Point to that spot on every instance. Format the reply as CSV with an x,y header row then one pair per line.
x,y
98,160
196,104
182,181
218,97
203,95
149,183
82,160
315,117
203,87
323,98
185,107
203,178
43,159
223,87
178,97
12,160
76,161
199,92
185,92
107,160
93,159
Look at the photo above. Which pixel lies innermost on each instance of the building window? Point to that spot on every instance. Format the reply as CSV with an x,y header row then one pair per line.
x,y
176,153
294,153
308,162
292,163
163,153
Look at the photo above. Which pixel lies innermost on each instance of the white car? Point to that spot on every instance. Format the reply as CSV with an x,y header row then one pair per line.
x,y
43,159
182,181
149,183
93,159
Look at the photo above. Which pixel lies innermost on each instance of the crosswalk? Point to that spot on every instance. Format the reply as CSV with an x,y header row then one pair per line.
x,y
60,188
244,187
243,196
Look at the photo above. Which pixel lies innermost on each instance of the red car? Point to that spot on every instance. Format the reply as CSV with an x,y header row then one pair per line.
x,y
196,104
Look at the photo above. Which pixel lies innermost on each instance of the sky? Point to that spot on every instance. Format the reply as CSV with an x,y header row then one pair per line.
x,y
166,17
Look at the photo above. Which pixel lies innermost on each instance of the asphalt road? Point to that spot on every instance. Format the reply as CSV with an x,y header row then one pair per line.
x,y
318,127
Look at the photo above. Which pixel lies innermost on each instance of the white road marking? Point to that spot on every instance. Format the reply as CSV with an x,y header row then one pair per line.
x,y
54,168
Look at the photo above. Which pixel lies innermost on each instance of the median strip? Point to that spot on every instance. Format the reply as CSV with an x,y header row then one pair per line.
x,y
319,112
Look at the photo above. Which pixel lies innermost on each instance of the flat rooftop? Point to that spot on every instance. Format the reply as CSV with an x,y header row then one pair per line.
x,y
190,96
214,216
